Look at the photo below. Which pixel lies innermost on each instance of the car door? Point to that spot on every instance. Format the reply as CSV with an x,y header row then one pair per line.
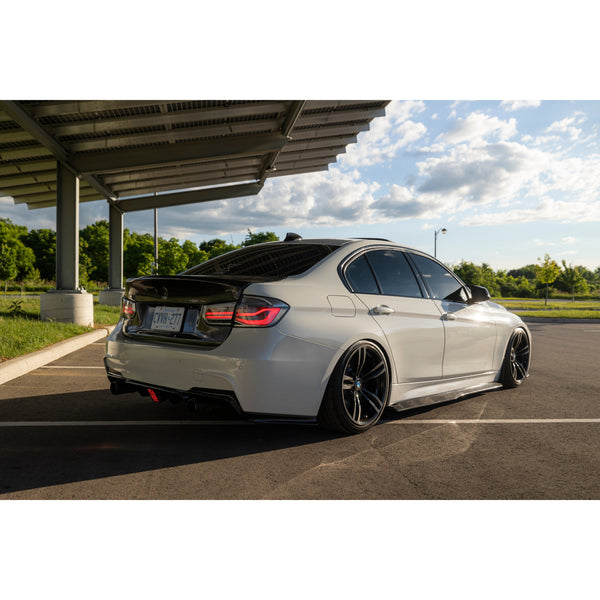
x,y
470,330
385,282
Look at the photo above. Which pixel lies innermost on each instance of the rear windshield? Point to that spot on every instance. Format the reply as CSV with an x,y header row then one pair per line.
x,y
266,260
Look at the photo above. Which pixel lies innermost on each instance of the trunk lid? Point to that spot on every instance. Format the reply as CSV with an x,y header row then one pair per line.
x,y
170,309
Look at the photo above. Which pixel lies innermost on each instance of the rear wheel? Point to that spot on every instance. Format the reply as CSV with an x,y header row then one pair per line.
x,y
358,390
516,360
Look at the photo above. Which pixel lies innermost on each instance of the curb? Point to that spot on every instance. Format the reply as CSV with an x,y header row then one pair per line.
x,y
15,367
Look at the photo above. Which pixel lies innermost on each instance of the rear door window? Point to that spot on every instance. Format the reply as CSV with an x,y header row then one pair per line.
x,y
394,275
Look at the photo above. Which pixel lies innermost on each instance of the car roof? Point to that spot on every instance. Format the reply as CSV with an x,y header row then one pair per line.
x,y
357,242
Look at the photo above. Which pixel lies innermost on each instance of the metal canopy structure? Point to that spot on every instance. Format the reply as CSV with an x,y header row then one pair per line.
x,y
143,154
148,154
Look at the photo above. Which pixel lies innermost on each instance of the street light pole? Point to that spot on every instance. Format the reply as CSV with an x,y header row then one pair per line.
x,y
442,230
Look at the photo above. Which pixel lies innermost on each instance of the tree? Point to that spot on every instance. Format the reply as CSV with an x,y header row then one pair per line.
x,y
16,259
259,238
574,281
138,254
8,264
195,256
43,244
547,272
216,247
473,274
171,257
96,249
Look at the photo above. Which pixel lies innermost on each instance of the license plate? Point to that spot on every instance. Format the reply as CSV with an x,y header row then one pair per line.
x,y
167,318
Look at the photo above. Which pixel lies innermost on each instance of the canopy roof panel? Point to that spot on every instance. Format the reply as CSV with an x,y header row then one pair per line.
x,y
140,154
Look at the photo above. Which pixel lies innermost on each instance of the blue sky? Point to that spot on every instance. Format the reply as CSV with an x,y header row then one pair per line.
x,y
510,180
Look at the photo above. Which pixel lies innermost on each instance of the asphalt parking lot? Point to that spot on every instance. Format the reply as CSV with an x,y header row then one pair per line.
x,y
65,436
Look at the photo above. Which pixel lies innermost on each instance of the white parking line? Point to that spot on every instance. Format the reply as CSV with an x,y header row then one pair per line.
x,y
244,422
485,421
67,367
114,423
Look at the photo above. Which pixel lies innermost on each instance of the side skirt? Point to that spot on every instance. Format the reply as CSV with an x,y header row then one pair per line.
x,y
445,396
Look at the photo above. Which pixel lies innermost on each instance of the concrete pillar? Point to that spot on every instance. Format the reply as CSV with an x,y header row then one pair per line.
x,y
112,295
67,303
67,229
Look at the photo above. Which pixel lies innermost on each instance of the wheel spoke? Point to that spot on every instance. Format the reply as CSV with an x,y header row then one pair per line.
x,y
347,382
372,399
521,369
361,356
356,412
376,371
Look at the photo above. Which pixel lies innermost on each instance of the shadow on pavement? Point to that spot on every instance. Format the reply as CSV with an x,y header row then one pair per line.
x,y
38,456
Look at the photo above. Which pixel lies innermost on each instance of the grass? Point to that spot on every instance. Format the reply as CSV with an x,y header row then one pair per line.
x,y
24,332
554,310
560,314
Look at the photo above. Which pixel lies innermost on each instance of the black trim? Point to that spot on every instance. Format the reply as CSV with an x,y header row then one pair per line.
x,y
198,394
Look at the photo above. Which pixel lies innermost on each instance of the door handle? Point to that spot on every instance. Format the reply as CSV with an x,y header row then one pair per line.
x,y
382,309
449,317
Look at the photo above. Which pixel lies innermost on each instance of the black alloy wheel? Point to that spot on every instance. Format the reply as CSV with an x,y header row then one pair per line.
x,y
516,360
358,390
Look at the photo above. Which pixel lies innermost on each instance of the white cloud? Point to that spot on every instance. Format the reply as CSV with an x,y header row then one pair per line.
x,y
567,126
568,240
546,210
476,128
518,104
386,136
328,198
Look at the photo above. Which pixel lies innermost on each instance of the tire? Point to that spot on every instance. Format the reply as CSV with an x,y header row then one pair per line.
x,y
516,360
358,390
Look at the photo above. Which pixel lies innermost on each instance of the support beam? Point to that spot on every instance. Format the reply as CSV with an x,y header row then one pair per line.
x,y
191,197
67,229
112,295
122,160
53,147
67,303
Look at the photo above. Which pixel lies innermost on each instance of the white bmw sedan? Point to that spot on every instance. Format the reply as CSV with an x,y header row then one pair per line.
x,y
332,330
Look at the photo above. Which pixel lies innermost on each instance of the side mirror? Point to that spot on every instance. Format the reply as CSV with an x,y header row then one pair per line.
x,y
479,294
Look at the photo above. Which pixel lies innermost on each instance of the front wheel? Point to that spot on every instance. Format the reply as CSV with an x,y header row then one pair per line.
x,y
358,390
516,360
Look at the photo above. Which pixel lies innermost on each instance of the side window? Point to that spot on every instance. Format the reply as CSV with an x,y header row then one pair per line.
x,y
441,283
360,277
394,274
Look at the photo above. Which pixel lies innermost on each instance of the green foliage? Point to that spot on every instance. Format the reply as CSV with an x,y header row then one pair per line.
x,y
138,250
473,274
171,257
547,272
16,259
96,250
571,280
216,247
194,254
43,244
15,308
259,238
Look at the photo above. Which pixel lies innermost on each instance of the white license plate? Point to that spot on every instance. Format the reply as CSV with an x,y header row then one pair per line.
x,y
167,318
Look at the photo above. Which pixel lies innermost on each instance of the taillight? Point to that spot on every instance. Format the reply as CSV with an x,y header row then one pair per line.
x,y
250,312
127,308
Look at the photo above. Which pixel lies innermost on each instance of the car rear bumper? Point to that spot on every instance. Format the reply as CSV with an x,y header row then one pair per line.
x,y
266,371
